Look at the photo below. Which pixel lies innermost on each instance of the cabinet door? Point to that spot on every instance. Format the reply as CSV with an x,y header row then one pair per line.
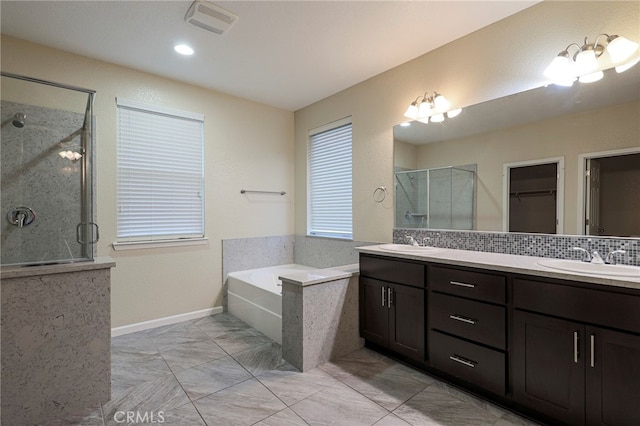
x,y
548,361
406,322
613,377
374,312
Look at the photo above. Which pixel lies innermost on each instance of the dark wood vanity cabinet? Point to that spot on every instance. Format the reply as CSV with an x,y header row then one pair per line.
x,y
467,326
392,305
567,364
562,351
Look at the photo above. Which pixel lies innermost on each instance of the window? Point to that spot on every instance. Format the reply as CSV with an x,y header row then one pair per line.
x,y
160,173
329,181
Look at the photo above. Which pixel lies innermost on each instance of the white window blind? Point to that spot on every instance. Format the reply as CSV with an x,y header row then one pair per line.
x,y
329,181
160,173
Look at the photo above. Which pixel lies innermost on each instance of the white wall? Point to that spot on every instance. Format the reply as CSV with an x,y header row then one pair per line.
x,y
240,152
501,59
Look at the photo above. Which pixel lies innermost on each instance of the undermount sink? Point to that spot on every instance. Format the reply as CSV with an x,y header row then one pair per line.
x,y
591,268
406,248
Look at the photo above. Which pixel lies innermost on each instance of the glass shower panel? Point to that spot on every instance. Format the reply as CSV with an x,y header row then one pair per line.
x,y
46,197
411,205
441,198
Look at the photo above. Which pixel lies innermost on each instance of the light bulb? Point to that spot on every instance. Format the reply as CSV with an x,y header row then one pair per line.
x,y
560,69
454,112
412,111
624,67
620,49
441,103
565,83
590,78
437,118
425,109
62,154
183,49
586,62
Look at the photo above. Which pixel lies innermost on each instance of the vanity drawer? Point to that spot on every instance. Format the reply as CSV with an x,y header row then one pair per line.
x,y
395,271
471,284
477,321
602,307
472,363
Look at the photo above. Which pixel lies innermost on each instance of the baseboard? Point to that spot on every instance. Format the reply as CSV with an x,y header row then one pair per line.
x,y
145,325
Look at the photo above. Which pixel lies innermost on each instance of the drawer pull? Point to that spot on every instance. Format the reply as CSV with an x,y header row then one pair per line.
x,y
593,352
458,283
463,361
462,319
389,296
384,297
575,347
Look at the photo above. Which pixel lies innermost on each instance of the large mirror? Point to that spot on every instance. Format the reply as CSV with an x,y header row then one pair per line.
x,y
554,159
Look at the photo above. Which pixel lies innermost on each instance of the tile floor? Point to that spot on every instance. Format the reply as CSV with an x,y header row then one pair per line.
x,y
217,371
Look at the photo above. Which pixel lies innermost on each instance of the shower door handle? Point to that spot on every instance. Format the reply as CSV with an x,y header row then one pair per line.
x,y
79,237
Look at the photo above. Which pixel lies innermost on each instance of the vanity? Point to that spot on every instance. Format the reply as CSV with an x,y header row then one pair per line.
x,y
559,346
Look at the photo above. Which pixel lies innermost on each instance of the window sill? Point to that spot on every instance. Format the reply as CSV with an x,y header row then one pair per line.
x,y
139,245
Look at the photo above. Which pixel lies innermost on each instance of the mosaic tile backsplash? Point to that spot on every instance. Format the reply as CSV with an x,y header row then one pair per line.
x,y
541,245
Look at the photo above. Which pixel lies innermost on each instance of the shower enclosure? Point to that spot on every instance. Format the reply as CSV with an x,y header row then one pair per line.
x,y
46,202
439,198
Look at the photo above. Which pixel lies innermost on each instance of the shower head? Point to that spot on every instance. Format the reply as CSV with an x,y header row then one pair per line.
x,y
18,120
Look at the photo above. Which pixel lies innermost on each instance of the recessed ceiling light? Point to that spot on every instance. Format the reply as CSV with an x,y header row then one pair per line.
x,y
183,49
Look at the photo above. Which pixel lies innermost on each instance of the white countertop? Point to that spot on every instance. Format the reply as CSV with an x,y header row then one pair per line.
x,y
319,276
56,268
505,263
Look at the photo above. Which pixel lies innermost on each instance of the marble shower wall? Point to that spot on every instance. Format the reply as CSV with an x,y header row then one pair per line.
x,y
34,175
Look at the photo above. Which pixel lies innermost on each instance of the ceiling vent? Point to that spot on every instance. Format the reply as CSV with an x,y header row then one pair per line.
x,y
210,17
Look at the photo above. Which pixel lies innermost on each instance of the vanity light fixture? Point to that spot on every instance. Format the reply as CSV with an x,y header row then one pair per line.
x,y
589,61
431,107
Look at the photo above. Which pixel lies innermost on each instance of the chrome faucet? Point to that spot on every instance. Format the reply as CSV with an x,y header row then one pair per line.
x,y
611,257
596,258
587,257
412,241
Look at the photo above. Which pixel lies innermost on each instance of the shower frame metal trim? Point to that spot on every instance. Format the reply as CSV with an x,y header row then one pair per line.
x,y
87,141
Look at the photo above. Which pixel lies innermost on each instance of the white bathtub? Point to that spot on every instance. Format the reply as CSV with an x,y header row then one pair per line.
x,y
255,297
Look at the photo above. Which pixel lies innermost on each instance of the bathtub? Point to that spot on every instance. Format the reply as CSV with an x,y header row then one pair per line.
x,y
255,297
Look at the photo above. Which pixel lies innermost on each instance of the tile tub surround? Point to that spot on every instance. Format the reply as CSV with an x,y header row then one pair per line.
x,y
538,245
326,252
320,316
240,254
506,263
56,334
218,371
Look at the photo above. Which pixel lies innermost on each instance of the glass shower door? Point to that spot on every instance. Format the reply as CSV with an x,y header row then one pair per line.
x,y
46,195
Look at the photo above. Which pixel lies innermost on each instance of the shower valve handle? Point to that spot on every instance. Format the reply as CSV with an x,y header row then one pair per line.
x,y
21,216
